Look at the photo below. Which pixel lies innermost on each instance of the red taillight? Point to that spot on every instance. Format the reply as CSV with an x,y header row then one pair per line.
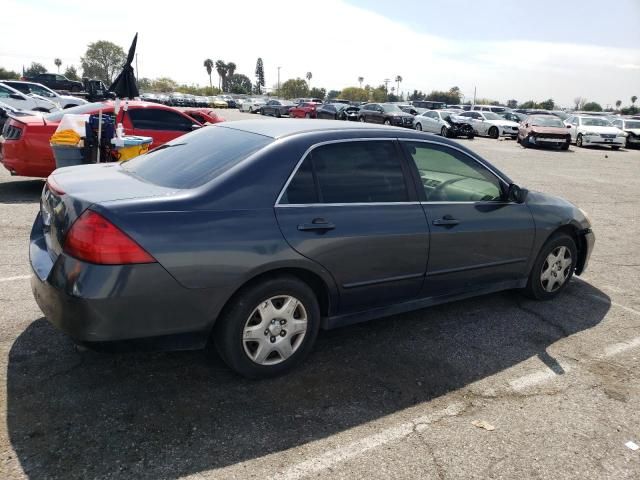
x,y
53,186
95,239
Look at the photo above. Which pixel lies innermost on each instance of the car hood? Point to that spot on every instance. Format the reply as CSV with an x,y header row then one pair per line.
x,y
589,128
635,131
555,130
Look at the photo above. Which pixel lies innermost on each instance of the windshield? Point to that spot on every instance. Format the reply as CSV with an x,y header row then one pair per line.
x,y
195,158
547,121
392,108
80,109
629,124
492,116
595,122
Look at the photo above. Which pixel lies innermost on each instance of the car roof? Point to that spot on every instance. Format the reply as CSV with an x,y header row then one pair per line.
x,y
289,126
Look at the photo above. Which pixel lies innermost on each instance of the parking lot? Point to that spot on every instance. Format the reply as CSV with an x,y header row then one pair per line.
x,y
493,387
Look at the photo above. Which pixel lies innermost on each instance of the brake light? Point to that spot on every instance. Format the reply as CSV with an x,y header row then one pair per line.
x,y
54,186
95,239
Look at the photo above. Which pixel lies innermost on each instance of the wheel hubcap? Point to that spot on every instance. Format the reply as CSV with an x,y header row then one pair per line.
x,y
556,269
275,330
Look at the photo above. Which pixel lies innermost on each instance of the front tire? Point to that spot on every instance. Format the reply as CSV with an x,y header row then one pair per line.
x,y
362,119
419,127
387,122
268,328
494,132
579,140
553,268
444,132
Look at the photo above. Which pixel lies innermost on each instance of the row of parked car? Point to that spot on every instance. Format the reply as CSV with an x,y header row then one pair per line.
x,y
529,127
178,99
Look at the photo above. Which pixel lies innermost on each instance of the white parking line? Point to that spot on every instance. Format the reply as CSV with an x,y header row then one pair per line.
x,y
347,452
615,304
617,348
11,279
536,378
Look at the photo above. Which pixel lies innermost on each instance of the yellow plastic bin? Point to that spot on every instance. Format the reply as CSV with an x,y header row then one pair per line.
x,y
133,146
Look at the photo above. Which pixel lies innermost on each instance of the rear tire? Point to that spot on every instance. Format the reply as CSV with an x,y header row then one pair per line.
x,y
579,140
255,308
362,119
565,146
444,132
494,132
418,127
553,268
387,122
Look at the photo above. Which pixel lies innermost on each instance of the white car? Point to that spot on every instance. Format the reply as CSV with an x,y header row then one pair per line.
x,y
587,130
19,100
632,128
252,105
63,101
438,121
491,124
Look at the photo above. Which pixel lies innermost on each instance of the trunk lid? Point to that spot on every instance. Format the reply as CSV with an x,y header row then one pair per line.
x,y
70,191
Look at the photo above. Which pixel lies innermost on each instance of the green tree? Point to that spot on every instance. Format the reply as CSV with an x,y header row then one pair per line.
x,y
208,65
164,85
592,107
309,76
618,103
547,104
259,76
512,103
294,88
633,100
316,92
379,94
222,70
416,95
360,80
440,96
57,62
102,60
231,68
333,94
354,94
71,73
8,74
35,69
530,104
239,83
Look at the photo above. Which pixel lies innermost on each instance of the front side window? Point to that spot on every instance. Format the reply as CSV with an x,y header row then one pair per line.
x,y
451,176
4,92
349,172
156,119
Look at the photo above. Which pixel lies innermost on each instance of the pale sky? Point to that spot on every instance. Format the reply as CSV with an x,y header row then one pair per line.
x,y
556,49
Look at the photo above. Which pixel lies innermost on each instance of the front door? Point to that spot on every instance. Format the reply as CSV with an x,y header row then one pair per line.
x,y
351,208
478,238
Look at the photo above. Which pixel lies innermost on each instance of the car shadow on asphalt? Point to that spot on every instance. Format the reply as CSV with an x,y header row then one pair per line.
x,y
21,191
164,415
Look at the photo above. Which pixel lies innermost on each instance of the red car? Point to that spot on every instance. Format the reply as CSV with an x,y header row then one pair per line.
x,y
204,115
26,151
304,110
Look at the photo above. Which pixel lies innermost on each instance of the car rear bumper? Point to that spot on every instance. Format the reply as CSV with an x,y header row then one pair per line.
x,y
104,303
597,140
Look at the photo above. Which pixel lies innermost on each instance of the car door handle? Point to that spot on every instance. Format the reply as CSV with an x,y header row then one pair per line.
x,y
446,221
318,224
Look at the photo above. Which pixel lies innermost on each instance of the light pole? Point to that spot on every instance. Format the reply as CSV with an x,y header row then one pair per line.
x,y
279,80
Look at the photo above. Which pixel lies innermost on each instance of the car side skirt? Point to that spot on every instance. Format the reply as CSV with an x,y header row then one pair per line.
x,y
417,304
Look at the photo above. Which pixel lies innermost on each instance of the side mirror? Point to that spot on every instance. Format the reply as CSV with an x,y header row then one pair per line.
x,y
568,126
517,194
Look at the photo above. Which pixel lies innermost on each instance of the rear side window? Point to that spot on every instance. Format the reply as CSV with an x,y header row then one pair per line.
x,y
158,119
195,158
349,172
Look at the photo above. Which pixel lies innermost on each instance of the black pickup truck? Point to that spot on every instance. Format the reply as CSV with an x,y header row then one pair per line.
x,y
56,82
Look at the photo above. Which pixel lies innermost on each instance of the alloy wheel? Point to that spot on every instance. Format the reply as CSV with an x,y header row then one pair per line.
x,y
275,330
556,269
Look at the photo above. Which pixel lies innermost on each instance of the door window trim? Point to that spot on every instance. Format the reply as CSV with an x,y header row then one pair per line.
x,y
414,168
406,172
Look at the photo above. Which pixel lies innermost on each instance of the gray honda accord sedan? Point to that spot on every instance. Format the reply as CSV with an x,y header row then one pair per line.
x,y
253,235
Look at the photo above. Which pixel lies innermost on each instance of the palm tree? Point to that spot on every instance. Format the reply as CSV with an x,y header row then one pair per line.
x,y
360,80
208,64
618,103
398,80
309,76
633,100
57,62
222,69
231,68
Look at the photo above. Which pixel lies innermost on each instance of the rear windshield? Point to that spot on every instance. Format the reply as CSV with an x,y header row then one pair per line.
x,y
196,158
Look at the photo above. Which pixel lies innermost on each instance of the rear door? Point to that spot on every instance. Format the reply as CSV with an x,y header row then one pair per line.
x,y
478,238
351,207
162,125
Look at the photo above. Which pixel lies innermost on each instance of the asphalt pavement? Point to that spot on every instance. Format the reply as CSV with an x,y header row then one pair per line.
x,y
493,387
